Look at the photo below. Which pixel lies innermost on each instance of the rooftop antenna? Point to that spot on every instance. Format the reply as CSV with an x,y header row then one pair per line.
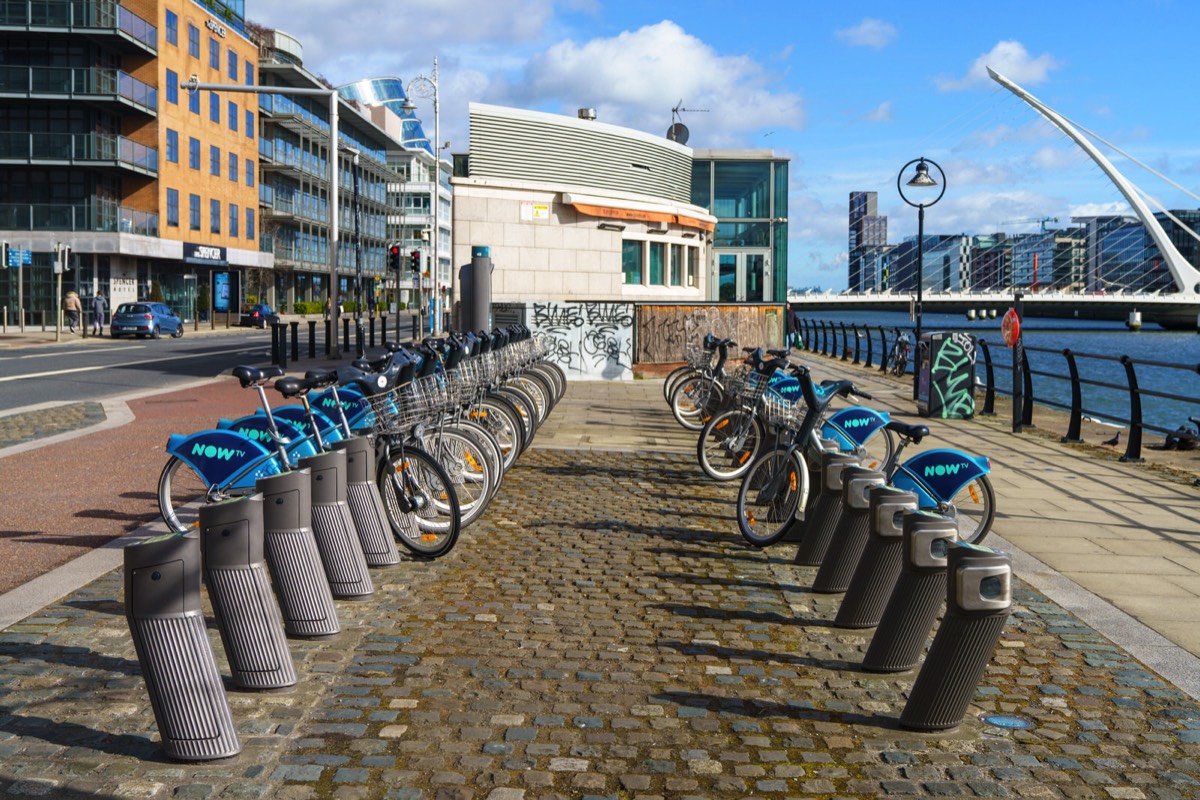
x,y
678,132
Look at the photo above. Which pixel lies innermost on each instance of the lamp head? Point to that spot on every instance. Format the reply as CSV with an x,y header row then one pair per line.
x,y
922,178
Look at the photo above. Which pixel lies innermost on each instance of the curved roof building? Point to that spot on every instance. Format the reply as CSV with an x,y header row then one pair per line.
x,y
389,93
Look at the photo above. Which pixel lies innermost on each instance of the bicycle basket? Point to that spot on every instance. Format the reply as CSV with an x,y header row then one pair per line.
x,y
394,413
754,387
782,414
697,357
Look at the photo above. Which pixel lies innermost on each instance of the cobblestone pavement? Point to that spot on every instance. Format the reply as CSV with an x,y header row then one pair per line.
x,y
30,425
601,633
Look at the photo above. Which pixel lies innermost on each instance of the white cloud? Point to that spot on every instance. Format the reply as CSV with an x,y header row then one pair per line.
x,y
871,32
1058,157
1010,59
635,79
976,213
1037,130
881,112
1110,209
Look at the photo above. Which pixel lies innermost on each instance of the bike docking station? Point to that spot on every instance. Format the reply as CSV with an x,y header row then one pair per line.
x,y
978,604
917,596
290,548
366,506
162,606
819,528
333,527
235,572
879,567
850,537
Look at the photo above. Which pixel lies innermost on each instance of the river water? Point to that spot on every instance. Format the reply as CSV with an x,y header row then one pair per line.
x,y
1109,339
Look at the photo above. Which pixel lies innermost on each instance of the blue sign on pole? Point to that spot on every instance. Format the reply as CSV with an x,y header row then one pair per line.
x,y
27,257
14,257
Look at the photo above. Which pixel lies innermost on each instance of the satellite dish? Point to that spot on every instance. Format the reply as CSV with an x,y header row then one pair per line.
x,y
678,132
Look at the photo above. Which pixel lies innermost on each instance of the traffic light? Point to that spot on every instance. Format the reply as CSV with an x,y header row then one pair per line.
x,y
3,255
415,261
394,257
63,257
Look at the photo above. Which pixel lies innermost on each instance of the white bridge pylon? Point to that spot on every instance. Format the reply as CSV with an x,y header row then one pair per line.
x,y
1187,277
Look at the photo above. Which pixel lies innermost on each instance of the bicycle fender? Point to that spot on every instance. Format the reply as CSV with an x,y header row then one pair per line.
x,y
853,426
936,475
354,406
254,426
784,386
217,455
297,416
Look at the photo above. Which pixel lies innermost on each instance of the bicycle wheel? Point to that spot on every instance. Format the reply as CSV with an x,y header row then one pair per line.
x,y
876,452
772,490
973,509
673,378
466,466
502,420
180,494
420,502
488,445
694,402
729,443
525,410
537,393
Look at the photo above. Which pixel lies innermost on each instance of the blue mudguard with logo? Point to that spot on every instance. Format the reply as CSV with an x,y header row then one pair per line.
x,y
852,427
254,426
784,386
354,406
935,476
297,416
225,458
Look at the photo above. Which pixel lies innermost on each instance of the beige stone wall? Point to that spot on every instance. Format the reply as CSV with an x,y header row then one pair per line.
x,y
662,331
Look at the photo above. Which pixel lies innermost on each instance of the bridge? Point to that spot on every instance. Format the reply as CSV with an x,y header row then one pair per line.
x,y
1171,311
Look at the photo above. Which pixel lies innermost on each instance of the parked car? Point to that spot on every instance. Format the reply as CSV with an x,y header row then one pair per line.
x,y
145,319
259,315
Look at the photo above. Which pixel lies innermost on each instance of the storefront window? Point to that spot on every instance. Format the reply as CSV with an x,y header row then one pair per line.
x,y
631,261
658,252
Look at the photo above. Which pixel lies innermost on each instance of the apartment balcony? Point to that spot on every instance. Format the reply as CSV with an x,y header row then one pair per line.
x,y
91,84
105,21
92,216
95,150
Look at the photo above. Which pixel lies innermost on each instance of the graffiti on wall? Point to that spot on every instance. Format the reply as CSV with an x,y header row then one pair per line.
x,y
952,376
663,331
588,339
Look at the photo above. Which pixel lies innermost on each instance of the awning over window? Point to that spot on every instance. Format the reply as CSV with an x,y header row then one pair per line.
x,y
612,208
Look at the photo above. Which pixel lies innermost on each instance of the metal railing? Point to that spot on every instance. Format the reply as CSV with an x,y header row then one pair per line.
x,y
87,216
1081,378
90,82
79,14
77,148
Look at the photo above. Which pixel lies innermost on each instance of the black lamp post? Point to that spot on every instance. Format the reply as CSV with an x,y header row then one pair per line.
x,y
921,179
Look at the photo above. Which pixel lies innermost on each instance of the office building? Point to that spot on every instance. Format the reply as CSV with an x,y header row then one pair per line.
x,y
868,235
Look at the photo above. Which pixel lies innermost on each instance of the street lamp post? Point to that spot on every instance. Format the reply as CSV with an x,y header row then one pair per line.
x,y
921,180
428,85
358,275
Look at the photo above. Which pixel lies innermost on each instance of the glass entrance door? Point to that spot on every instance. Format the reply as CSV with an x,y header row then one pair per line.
x,y
743,277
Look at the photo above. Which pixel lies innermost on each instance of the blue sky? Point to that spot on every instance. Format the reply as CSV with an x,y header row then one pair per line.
x,y
849,93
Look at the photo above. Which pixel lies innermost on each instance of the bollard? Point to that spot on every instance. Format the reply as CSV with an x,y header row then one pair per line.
x,y
917,596
295,325
383,330
877,570
231,537
333,527
978,602
850,537
366,506
796,529
293,559
312,338
275,344
818,531
329,331
162,606
371,332
346,335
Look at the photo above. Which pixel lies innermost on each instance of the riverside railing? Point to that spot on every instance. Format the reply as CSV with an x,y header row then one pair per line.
x,y
1085,385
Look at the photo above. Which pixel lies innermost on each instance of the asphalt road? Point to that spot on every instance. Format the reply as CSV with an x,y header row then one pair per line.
x,y
100,368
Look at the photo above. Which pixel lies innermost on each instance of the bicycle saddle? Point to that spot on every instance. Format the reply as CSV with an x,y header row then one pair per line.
x,y
914,432
292,387
320,378
249,376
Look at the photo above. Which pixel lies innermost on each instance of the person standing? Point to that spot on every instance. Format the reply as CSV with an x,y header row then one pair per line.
x,y
74,308
99,308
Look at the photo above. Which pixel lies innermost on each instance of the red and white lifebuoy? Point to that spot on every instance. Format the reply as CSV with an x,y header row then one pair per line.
x,y
1010,327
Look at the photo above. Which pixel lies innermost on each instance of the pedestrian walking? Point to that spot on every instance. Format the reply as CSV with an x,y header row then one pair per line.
x,y
74,308
99,310
326,306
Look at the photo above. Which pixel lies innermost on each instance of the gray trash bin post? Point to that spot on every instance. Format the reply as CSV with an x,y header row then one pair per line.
x,y
162,606
877,570
333,527
828,510
293,558
231,539
917,596
978,603
366,506
850,537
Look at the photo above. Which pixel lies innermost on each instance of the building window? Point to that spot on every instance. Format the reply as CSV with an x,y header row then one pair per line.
x,y
249,124
677,265
194,211
172,87
250,224
631,261
214,215
194,102
214,106
193,41
693,275
249,172
214,53
172,28
233,116
172,146
173,208
233,219
233,167
214,160
194,153
658,252
249,74
233,65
